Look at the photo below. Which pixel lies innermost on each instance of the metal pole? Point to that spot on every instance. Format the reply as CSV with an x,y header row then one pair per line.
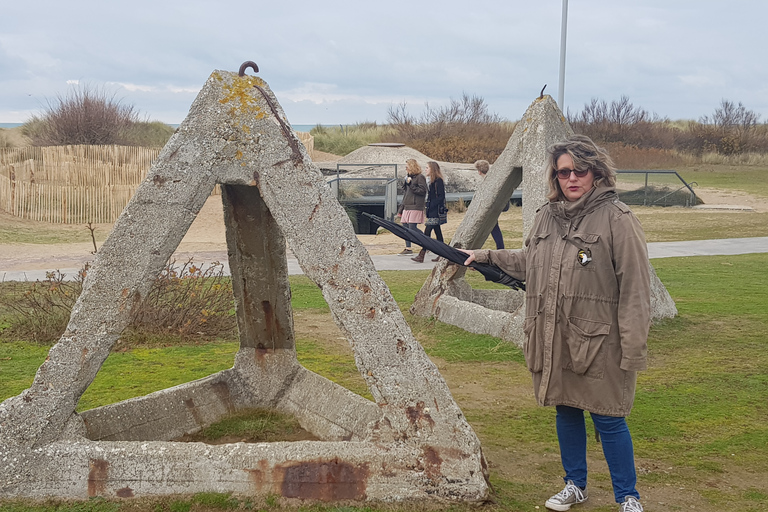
x,y
563,30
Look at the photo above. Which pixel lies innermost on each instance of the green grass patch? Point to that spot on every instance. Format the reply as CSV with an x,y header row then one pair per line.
x,y
141,371
747,178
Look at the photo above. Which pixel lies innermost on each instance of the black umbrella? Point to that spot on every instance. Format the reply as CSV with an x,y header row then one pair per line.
x,y
489,271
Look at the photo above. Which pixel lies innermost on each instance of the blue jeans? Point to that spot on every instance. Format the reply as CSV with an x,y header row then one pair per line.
x,y
617,448
410,225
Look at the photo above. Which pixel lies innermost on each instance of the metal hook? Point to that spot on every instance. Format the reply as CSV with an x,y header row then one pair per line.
x,y
541,94
247,64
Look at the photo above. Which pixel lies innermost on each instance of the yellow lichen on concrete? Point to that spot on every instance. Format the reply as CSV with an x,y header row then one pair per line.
x,y
241,95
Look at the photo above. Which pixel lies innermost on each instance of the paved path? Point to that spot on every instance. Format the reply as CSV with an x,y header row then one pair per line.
x,y
726,247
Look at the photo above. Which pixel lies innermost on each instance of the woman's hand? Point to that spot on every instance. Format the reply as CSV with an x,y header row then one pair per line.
x,y
471,258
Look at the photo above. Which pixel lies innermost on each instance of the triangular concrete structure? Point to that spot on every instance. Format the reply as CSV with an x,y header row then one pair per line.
x,y
446,295
412,443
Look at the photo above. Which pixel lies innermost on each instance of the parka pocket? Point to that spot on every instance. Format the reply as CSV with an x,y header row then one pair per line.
x,y
532,351
585,346
536,250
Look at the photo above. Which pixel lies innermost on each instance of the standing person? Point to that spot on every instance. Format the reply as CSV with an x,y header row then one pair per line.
x,y
482,167
435,207
411,212
585,264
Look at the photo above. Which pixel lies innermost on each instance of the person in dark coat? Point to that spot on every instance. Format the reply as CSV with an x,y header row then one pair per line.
x,y
435,206
482,167
587,313
411,211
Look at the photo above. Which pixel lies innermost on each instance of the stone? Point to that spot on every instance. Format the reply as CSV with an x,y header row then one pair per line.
x,y
411,443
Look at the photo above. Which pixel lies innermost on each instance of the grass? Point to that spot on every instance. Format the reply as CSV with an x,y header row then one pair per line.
x,y
748,178
14,230
700,412
342,140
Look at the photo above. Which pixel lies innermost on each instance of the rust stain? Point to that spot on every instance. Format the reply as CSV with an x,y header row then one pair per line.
x,y
158,180
437,407
371,314
259,477
418,415
125,492
173,154
343,250
269,319
97,477
314,210
261,354
432,462
324,480
256,178
401,348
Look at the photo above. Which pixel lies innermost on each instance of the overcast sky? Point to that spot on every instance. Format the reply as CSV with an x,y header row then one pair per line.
x,y
338,61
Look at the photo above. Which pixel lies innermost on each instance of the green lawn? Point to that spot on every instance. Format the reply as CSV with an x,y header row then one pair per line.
x,y
700,422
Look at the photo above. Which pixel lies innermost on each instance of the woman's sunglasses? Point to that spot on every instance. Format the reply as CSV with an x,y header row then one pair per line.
x,y
566,173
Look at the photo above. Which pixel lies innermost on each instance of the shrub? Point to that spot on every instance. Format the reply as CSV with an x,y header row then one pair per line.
x,y
150,134
187,301
463,131
39,311
85,115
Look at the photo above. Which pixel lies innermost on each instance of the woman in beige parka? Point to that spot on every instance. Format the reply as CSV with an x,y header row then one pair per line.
x,y
587,313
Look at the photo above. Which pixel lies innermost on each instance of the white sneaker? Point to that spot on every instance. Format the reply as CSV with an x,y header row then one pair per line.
x,y
571,495
631,504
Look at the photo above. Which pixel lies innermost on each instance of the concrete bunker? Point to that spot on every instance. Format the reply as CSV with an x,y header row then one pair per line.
x,y
411,443
446,295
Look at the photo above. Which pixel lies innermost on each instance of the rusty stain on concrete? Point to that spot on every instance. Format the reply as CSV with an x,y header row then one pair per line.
x,y
324,480
97,477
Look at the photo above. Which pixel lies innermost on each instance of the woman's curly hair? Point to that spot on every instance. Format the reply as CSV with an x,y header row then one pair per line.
x,y
586,155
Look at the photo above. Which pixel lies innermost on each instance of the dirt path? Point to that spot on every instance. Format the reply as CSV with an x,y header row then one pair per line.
x,y
205,239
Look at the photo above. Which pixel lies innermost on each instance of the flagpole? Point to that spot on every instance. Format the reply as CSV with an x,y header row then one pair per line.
x,y
561,85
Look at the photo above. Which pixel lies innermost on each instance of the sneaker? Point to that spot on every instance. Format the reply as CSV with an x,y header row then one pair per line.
x,y
404,252
571,495
631,504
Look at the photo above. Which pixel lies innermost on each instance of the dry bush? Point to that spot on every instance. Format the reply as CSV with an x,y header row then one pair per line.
x,y
185,302
731,130
86,115
39,311
463,131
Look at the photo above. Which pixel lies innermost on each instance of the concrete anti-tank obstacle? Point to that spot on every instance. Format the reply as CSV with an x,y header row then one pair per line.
x,y
446,295
411,443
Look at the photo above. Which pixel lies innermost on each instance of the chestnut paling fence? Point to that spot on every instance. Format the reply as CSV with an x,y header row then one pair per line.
x,y
71,184
76,184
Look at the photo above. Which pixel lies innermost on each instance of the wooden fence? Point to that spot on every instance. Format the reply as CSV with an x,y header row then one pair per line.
x,y
77,184
71,184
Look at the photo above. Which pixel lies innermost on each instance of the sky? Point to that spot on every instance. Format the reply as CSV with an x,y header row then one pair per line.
x,y
339,61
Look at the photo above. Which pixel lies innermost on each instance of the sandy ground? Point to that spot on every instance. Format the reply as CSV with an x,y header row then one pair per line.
x,y
205,240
